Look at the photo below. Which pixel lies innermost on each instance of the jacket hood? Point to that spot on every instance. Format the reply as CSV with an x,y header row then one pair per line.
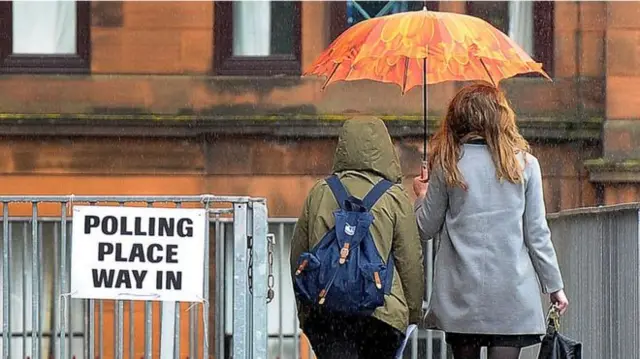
x,y
365,145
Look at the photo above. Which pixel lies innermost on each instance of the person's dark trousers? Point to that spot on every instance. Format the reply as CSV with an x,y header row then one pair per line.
x,y
338,336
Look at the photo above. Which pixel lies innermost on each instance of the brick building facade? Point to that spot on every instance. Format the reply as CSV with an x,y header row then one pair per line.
x,y
154,101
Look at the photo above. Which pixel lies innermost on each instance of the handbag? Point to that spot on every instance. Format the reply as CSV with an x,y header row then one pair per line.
x,y
555,345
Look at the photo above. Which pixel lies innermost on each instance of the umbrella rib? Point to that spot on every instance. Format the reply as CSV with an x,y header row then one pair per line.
x,y
488,73
406,70
333,72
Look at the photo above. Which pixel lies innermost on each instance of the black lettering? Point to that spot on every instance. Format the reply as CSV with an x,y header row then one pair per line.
x,y
174,279
137,252
104,249
138,227
109,225
185,231
172,252
152,226
119,256
150,257
166,227
123,279
103,279
138,276
90,222
159,279
162,227
123,227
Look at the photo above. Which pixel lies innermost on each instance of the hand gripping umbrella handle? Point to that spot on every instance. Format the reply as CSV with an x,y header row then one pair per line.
x,y
424,170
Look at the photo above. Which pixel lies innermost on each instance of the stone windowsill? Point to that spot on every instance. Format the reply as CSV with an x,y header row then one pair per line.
x,y
613,171
286,125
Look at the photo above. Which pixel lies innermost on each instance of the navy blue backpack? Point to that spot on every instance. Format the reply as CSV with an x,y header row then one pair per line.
x,y
345,272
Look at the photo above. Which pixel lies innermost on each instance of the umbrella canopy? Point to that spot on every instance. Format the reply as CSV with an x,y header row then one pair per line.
x,y
423,47
395,49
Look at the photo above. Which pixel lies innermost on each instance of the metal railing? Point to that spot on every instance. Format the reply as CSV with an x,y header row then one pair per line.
x,y
598,250
599,254
39,320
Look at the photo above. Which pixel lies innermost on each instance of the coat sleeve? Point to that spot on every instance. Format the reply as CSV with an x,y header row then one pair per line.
x,y
300,239
430,211
407,249
537,235
299,245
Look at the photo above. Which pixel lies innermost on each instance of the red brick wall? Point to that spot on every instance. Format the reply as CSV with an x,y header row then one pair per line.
x,y
621,146
153,37
174,38
282,170
140,48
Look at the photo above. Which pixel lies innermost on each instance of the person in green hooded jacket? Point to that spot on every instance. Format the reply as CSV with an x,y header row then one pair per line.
x,y
364,155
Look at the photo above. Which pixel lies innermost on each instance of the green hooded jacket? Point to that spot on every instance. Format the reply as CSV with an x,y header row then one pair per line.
x,y
365,155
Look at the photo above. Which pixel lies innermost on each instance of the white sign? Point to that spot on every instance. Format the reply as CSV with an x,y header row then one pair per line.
x,y
132,253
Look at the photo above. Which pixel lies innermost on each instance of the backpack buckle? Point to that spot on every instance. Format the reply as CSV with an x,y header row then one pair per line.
x,y
302,266
344,253
323,294
376,278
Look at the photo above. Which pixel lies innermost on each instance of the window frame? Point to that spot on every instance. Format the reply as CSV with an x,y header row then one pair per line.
x,y
543,34
225,64
78,63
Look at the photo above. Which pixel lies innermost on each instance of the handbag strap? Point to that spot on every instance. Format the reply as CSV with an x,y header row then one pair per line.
x,y
553,319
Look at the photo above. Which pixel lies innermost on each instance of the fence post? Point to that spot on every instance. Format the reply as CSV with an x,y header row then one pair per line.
x,y
6,283
167,330
219,311
260,278
240,287
35,283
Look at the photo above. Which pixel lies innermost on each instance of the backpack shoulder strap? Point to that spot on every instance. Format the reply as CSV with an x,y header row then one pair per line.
x,y
376,192
338,190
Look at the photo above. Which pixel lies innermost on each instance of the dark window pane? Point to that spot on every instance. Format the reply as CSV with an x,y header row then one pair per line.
x,y
282,13
362,10
494,12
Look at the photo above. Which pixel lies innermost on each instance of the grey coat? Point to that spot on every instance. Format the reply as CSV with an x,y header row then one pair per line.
x,y
495,252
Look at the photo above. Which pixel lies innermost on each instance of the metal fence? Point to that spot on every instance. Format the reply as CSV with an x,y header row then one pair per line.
x,y
40,321
598,250
599,255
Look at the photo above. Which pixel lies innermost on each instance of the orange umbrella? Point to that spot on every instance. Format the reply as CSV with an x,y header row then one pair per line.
x,y
423,47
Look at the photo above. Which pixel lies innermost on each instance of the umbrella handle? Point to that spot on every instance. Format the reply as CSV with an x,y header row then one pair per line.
x,y
424,170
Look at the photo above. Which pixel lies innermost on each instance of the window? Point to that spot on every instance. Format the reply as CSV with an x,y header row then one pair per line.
x,y
528,23
257,38
347,13
44,36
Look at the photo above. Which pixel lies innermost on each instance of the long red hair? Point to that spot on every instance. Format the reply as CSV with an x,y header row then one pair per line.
x,y
478,111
